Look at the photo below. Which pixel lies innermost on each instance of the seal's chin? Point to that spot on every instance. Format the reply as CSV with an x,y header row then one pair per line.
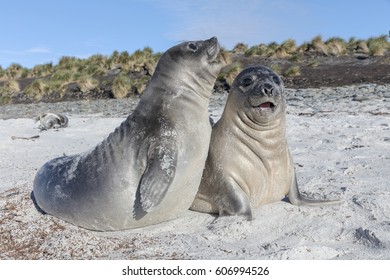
x,y
212,52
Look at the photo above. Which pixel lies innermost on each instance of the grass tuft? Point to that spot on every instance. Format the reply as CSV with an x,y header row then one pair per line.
x,y
9,87
229,73
378,45
121,86
293,71
36,90
240,48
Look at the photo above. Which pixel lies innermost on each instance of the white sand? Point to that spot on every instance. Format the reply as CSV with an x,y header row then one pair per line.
x,y
343,153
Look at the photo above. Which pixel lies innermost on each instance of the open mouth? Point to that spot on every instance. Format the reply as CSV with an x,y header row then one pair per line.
x,y
266,106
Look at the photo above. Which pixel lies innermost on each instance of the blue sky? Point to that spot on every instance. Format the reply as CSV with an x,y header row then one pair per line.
x,y
41,31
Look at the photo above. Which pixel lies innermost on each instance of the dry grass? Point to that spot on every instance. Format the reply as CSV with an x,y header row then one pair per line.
x,y
276,68
240,48
293,71
336,46
87,83
37,89
121,86
224,57
229,73
378,46
286,49
318,46
10,87
140,65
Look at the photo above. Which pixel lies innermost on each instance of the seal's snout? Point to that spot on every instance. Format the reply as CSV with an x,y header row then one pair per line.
x,y
213,49
267,89
213,39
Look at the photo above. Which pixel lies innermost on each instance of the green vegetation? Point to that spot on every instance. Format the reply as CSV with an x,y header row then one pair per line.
x,y
127,74
9,87
36,90
86,73
229,73
240,48
121,86
293,71
276,68
378,45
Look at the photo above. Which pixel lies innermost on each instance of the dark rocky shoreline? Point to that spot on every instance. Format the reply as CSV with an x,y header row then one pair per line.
x,y
305,101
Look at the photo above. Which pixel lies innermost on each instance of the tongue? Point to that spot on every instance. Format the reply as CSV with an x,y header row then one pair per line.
x,y
265,105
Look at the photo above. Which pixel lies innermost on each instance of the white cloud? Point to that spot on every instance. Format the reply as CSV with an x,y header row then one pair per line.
x,y
27,57
35,50
233,21
38,50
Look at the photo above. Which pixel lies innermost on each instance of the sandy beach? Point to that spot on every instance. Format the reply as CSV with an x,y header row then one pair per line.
x,y
340,142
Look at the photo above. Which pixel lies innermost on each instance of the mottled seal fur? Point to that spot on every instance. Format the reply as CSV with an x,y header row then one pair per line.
x,y
249,162
148,170
51,120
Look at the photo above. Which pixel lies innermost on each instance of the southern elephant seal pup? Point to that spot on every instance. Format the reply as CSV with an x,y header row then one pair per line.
x,y
148,170
249,162
51,120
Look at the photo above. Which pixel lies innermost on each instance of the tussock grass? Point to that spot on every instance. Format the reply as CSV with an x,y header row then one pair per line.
x,y
318,46
63,76
15,71
276,68
229,73
9,87
293,71
314,63
42,70
378,45
240,48
336,46
133,71
224,57
87,83
37,89
286,49
295,58
252,51
68,63
121,86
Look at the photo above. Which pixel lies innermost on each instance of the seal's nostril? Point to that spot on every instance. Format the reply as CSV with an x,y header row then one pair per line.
x,y
267,89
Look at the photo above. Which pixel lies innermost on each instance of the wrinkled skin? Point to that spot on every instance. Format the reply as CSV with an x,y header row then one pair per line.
x,y
249,162
148,170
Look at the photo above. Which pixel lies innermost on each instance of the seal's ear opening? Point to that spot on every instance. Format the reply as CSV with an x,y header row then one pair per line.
x,y
36,204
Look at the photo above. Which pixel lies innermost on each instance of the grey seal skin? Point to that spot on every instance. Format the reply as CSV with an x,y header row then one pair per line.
x,y
148,170
249,162
51,120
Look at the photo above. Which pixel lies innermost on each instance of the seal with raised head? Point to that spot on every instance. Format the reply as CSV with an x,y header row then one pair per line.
x,y
148,170
249,162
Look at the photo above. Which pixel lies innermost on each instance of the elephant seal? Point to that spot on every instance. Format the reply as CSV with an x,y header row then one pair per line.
x,y
148,170
51,120
249,163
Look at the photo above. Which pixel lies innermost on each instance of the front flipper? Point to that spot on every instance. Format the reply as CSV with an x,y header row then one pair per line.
x,y
158,175
295,197
233,201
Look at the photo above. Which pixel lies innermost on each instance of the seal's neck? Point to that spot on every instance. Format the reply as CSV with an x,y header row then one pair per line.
x,y
179,78
267,135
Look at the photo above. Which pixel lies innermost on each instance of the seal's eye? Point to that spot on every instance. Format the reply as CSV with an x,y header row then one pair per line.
x,y
276,80
192,46
247,81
